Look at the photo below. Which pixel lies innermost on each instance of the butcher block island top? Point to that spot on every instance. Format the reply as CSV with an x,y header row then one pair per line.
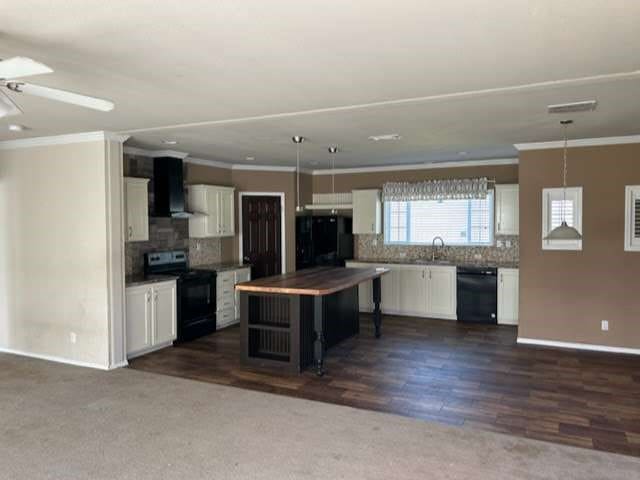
x,y
312,281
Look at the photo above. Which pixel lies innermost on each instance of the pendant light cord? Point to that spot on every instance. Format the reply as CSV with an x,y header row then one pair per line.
x,y
564,175
297,176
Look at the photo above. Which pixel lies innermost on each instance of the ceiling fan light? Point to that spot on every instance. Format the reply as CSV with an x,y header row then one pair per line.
x,y
564,232
19,67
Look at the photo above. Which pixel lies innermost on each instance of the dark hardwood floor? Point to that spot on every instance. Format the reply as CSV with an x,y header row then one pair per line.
x,y
442,371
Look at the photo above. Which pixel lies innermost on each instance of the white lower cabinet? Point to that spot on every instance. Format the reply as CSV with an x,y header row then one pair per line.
x,y
242,275
508,296
413,288
416,290
227,300
151,317
442,293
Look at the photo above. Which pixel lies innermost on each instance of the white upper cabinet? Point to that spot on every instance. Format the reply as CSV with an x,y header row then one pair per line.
x,y
508,296
507,210
367,212
137,207
214,211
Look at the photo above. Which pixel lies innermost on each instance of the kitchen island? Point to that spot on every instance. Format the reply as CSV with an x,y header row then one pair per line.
x,y
288,321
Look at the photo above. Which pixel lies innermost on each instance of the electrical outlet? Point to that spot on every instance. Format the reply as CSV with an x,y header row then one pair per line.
x,y
477,256
508,243
73,338
499,243
604,325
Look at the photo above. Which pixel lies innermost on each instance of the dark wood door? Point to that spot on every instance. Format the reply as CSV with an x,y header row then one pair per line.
x,y
261,235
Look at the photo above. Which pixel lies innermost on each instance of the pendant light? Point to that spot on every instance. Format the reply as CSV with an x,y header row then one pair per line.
x,y
564,231
298,139
333,150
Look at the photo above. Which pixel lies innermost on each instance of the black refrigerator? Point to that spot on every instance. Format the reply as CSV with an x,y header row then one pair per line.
x,y
323,240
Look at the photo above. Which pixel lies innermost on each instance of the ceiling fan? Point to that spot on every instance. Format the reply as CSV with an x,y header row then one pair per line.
x,y
20,67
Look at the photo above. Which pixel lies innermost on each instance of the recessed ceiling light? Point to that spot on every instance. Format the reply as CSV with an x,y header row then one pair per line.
x,y
387,136
250,159
14,127
170,142
463,154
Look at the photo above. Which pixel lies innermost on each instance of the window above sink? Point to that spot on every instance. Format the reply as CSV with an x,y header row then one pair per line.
x,y
463,222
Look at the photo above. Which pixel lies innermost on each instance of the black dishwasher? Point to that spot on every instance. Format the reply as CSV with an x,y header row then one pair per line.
x,y
477,294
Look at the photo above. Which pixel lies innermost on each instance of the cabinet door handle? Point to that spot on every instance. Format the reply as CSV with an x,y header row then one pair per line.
x,y
130,231
155,297
429,274
422,273
502,278
148,295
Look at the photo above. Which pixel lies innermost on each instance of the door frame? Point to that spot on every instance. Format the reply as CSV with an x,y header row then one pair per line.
x,y
283,243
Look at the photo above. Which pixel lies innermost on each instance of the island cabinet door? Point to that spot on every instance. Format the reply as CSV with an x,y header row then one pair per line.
x,y
164,309
139,318
442,292
412,290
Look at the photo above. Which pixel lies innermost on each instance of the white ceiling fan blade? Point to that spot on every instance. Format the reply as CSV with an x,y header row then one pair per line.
x,y
19,67
7,107
67,97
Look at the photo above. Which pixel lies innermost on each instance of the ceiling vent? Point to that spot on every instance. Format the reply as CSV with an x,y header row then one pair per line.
x,y
388,136
586,106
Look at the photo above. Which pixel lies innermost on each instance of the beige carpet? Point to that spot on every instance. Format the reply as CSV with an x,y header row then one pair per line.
x,y
62,422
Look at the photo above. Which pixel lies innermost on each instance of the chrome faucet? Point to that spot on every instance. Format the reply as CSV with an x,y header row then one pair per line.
x,y
433,247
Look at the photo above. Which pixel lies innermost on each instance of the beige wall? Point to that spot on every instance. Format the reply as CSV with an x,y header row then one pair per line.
x,y
351,181
565,294
256,181
59,272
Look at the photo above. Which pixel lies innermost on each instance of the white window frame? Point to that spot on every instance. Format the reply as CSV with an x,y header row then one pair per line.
x,y
573,193
631,193
491,229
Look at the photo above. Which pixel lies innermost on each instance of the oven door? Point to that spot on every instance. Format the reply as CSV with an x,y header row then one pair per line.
x,y
197,299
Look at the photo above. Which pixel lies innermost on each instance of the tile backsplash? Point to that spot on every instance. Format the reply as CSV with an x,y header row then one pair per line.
x,y
372,247
164,233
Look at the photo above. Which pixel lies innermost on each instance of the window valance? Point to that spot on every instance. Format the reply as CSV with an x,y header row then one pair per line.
x,y
448,189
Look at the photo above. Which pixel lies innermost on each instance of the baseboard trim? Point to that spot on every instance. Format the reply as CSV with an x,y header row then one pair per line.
x,y
122,364
53,358
578,346
403,313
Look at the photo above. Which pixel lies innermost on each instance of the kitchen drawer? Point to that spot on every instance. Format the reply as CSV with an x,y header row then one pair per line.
x,y
225,303
226,278
225,317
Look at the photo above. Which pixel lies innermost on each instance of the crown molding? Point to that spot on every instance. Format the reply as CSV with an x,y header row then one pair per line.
x,y
83,137
208,163
579,142
155,153
419,166
264,168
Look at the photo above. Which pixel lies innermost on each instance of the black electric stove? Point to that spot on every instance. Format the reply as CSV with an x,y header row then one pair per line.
x,y
196,292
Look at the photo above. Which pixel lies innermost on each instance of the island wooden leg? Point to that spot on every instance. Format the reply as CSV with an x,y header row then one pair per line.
x,y
318,352
377,296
